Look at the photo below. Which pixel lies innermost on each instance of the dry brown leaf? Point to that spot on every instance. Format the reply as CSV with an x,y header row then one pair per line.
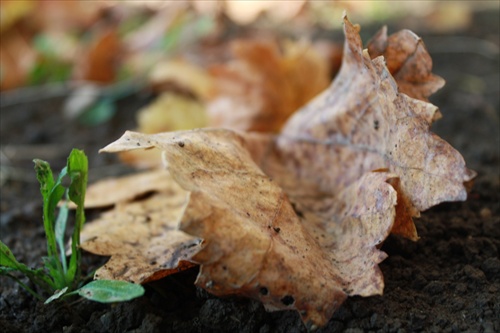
x,y
108,192
184,76
255,244
295,219
362,123
100,62
17,57
169,112
262,87
408,61
141,237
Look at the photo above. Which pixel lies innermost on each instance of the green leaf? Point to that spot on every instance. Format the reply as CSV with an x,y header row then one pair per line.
x,y
7,259
99,113
109,291
9,263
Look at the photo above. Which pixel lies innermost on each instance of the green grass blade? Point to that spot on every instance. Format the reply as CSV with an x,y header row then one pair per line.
x,y
78,172
46,180
109,291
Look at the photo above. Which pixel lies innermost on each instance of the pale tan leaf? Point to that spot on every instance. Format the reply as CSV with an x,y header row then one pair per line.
x,y
142,237
183,74
255,244
111,191
169,112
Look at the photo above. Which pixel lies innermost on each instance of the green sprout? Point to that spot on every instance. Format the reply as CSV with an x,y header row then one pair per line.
x,y
60,277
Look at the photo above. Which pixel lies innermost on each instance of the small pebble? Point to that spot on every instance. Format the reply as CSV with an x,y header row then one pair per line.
x,y
485,213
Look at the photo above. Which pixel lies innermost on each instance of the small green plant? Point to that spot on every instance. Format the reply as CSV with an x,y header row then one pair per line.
x,y
60,277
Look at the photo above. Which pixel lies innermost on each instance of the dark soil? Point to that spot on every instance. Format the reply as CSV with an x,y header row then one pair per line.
x,y
448,281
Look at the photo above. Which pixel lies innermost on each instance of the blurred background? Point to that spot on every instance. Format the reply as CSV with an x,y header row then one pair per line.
x,y
186,64
105,42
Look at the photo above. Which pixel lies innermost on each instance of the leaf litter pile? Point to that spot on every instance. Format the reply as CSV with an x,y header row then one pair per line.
x,y
290,211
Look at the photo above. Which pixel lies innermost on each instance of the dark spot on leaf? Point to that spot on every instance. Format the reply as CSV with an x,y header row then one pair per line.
x,y
181,144
276,229
376,124
298,212
138,144
153,262
287,300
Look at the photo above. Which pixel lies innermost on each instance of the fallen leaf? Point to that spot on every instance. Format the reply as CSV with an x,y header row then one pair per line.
x,y
409,63
255,244
295,219
183,75
169,112
142,236
262,87
99,63
359,124
108,192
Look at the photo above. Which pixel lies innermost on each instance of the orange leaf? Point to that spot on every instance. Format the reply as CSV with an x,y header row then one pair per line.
x,y
261,87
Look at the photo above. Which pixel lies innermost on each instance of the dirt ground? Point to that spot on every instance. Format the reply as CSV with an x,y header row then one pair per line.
x,y
448,281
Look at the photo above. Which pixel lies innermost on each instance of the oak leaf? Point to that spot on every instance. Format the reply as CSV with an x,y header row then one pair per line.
x,y
112,191
142,236
295,219
255,244
408,61
169,112
359,124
